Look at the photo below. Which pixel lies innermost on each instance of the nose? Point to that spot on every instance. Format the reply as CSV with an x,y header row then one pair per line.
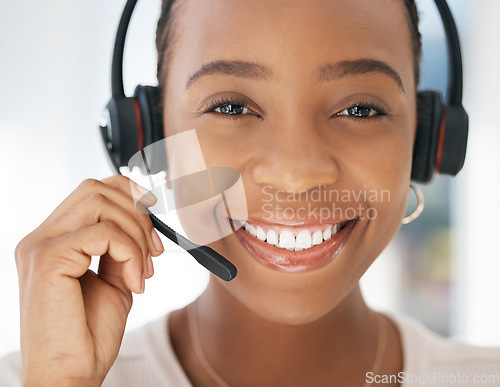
x,y
295,160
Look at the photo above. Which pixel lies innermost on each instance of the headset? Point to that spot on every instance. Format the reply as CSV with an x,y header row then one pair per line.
x,y
133,123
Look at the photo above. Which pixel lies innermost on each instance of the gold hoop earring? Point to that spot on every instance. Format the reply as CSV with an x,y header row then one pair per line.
x,y
420,206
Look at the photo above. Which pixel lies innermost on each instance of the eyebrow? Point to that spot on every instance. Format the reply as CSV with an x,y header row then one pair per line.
x,y
326,73
231,67
342,69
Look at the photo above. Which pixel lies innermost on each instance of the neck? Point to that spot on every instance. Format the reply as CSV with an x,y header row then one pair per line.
x,y
242,346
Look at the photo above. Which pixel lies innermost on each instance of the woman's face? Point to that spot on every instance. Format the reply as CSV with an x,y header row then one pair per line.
x,y
314,104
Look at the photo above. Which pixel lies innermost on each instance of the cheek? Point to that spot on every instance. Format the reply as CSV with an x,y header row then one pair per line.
x,y
382,157
385,172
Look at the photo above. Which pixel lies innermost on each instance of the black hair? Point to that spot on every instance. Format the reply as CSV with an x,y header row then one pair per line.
x,y
166,34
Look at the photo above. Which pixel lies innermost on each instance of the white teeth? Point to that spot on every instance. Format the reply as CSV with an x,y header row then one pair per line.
x,y
272,237
261,234
317,238
303,240
238,223
251,229
327,234
287,240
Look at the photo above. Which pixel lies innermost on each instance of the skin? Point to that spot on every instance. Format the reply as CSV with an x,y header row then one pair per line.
x,y
248,326
72,319
264,328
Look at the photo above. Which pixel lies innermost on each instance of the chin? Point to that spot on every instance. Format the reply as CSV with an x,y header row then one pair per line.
x,y
289,314
291,303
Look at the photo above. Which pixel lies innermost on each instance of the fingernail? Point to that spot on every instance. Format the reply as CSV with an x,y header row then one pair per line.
x,y
151,269
143,284
157,241
147,196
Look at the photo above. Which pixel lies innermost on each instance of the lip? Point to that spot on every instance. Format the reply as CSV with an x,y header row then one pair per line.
x,y
303,261
294,222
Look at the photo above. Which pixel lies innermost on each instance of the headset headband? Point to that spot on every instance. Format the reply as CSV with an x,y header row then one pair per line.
x,y
117,89
455,68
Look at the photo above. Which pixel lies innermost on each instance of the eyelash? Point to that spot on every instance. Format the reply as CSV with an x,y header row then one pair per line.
x,y
379,109
221,102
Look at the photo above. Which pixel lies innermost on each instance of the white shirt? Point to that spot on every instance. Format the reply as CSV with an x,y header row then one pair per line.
x,y
147,358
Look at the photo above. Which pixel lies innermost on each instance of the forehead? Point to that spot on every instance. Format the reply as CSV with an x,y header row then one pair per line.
x,y
294,36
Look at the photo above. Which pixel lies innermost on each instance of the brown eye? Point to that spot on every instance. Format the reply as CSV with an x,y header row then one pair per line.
x,y
232,109
363,110
359,111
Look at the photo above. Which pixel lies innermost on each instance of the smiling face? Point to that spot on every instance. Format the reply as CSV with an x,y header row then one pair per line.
x,y
314,104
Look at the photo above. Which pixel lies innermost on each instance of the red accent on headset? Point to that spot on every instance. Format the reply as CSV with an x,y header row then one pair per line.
x,y
442,131
140,134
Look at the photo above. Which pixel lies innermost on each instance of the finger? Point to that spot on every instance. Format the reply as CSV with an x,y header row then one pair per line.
x,y
131,190
97,208
107,308
120,183
141,196
92,284
116,189
128,186
70,254
111,272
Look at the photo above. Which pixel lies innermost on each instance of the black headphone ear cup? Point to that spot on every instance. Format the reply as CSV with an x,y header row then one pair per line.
x,y
120,133
430,115
152,127
453,142
151,115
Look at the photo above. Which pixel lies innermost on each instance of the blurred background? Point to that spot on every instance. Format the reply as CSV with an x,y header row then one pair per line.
x,y
54,76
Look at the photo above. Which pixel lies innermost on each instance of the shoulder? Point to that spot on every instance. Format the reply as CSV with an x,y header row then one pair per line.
x,y
431,359
10,370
